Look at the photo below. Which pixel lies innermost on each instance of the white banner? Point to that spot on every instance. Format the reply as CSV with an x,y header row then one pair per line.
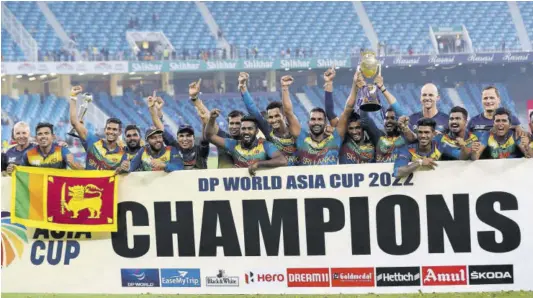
x,y
96,67
465,227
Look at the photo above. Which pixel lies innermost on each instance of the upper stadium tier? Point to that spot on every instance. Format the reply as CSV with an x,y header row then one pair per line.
x,y
320,29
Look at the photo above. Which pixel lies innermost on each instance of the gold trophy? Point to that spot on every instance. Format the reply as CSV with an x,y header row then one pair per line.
x,y
87,99
368,99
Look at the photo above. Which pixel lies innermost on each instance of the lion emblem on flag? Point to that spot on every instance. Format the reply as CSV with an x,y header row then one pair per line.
x,y
82,197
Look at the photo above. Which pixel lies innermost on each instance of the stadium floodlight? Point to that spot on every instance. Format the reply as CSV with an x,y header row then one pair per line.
x,y
105,73
157,72
53,74
32,79
18,77
81,73
132,73
436,65
30,74
43,76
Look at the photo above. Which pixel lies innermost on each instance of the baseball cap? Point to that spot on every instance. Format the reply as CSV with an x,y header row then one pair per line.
x,y
152,131
185,128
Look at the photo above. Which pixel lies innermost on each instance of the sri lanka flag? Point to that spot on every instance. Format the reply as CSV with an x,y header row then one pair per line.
x,y
64,200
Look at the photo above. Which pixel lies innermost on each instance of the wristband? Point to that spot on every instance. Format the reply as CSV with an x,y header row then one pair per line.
x,y
383,90
194,98
74,98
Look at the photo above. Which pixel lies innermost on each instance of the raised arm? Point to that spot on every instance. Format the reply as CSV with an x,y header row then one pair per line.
x,y
389,97
358,82
294,125
329,75
210,132
155,105
250,104
201,109
73,113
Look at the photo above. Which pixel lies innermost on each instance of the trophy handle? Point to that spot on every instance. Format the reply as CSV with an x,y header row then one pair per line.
x,y
379,70
359,68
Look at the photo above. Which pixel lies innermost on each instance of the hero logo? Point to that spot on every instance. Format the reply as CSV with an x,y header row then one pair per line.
x,y
397,276
443,275
491,274
251,277
307,277
352,277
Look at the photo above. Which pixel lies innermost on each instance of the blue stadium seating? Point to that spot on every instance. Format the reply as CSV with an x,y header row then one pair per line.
x,y
10,49
29,14
401,24
332,29
104,24
526,10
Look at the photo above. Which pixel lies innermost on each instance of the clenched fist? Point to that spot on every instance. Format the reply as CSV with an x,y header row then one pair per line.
x,y
359,80
243,80
403,122
286,81
476,146
378,81
329,75
75,90
214,113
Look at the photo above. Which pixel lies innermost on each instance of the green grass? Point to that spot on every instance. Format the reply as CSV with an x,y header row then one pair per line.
x,y
509,294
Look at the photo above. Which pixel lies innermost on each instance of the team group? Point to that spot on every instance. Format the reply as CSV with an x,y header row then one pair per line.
x,y
412,142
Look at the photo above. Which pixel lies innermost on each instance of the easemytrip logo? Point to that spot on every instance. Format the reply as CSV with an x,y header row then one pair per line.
x,y
148,278
491,274
180,278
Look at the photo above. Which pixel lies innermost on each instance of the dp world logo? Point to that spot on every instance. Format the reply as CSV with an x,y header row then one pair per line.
x,y
13,240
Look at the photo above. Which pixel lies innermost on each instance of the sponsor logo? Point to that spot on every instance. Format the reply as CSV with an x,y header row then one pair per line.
x,y
26,66
443,275
509,57
307,277
293,63
221,64
352,277
65,66
222,280
251,277
258,64
406,61
491,274
480,58
185,65
397,276
181,278
140,277
442,59
146,66
14,239
103,66
330,62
